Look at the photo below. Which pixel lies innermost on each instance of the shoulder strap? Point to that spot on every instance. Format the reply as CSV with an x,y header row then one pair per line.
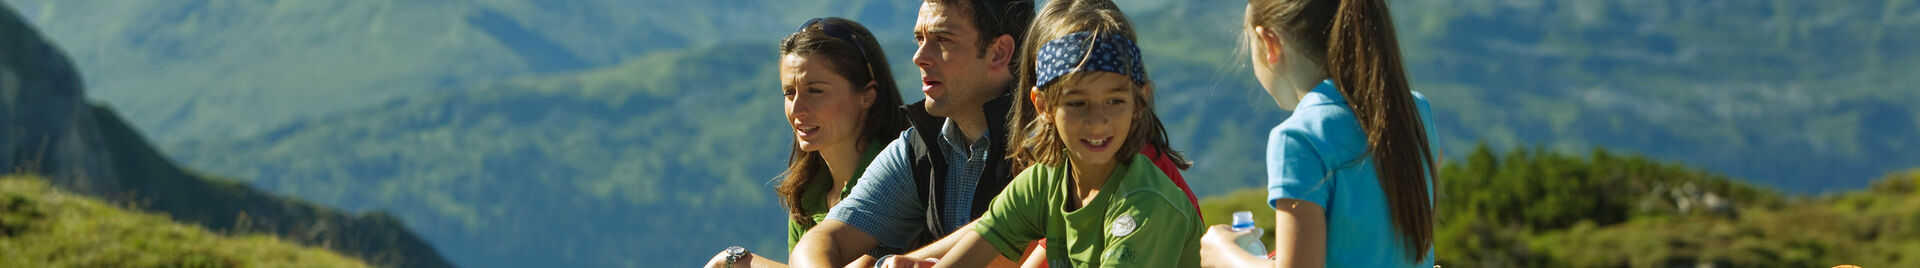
x,y
997,174
928,166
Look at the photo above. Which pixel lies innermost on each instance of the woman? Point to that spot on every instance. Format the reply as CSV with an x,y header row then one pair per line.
x,y
841,102
1350,173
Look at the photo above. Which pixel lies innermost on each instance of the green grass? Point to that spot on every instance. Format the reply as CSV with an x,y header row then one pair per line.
x,y
41,226
1537,208
1871,228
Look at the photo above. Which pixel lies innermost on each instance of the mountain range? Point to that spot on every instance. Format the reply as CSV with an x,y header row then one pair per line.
x,y
631,133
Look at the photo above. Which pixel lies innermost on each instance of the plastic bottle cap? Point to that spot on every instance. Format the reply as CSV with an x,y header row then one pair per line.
x,y
1242,220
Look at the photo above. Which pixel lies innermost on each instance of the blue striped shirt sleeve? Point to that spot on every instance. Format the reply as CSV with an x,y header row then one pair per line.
x,y
884,204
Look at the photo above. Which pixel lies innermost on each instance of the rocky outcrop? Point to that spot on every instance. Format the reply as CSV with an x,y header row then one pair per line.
x,y
45,122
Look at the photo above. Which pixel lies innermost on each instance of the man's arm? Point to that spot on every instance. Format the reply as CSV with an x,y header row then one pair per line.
x,y
881,210
831,244
862,262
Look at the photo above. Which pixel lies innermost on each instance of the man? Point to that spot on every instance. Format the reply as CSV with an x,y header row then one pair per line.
x,y
941,173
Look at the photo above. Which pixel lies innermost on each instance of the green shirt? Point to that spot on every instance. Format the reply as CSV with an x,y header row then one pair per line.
x,y
1139,219
814,200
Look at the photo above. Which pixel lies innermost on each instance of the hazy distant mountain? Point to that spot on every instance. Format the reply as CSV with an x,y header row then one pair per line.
x,y
590,169
84,148
215,69
622,133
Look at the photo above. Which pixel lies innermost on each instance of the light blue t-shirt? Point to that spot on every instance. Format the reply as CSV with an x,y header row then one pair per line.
x,y
1318,155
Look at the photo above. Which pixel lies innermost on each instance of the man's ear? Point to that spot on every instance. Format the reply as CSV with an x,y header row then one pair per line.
x,y
1001,52
1271,43
866,99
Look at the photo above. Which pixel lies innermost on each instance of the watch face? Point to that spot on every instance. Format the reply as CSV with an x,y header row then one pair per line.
x,y
736,250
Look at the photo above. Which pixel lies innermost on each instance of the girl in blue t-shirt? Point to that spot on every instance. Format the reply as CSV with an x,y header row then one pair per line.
x,y
1350,173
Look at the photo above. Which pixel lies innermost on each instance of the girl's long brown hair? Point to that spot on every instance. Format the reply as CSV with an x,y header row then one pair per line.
x,y
1035,138
884,119
1355,40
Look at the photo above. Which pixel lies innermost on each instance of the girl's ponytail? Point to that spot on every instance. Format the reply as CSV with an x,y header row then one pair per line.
x,y
1363,59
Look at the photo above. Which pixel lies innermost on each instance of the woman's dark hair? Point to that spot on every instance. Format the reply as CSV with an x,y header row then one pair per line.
x,y
851,52
1033,141
1354,39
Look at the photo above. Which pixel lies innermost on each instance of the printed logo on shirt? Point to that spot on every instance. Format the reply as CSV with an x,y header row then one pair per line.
x,y
1123,226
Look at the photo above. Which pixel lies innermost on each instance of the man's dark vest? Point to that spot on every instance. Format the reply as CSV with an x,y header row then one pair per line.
x,y
930,163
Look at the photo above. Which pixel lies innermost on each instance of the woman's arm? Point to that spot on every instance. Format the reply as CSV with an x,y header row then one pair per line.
x,y
829,243
1299,234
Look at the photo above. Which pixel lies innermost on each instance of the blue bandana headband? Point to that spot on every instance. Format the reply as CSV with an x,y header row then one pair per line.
x,y
1083,51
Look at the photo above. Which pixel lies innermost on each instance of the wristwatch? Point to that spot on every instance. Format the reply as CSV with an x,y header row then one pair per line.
x,y
735,254
882,261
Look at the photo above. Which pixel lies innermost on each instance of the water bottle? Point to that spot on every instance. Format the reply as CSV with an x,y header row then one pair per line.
x,y
1243,222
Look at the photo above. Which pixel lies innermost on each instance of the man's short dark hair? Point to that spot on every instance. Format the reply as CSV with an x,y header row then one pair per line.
x,y
1001,17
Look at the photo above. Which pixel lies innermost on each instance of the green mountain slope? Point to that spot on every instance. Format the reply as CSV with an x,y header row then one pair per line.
x,y
582,169
1800,96
41,226
155,184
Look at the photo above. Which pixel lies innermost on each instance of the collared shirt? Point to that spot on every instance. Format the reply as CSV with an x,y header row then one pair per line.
x,y
1318,155
887,207
1140,218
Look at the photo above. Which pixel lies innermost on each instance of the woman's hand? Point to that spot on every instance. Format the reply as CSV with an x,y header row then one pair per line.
x,y
720,261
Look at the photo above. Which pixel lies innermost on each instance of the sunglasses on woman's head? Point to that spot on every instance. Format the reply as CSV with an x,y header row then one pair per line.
x,y
844,34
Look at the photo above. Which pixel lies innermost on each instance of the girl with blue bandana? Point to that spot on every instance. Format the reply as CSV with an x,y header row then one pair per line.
x,y
1350,174
1088,191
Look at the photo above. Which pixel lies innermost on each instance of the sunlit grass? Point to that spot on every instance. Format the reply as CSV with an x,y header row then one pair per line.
x,y
41,226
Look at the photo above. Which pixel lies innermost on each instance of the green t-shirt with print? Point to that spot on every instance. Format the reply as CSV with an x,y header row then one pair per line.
x,y
1139,219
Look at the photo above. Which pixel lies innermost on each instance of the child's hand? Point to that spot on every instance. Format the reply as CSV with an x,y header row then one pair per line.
x,y
1219,243
1221,236
899,261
